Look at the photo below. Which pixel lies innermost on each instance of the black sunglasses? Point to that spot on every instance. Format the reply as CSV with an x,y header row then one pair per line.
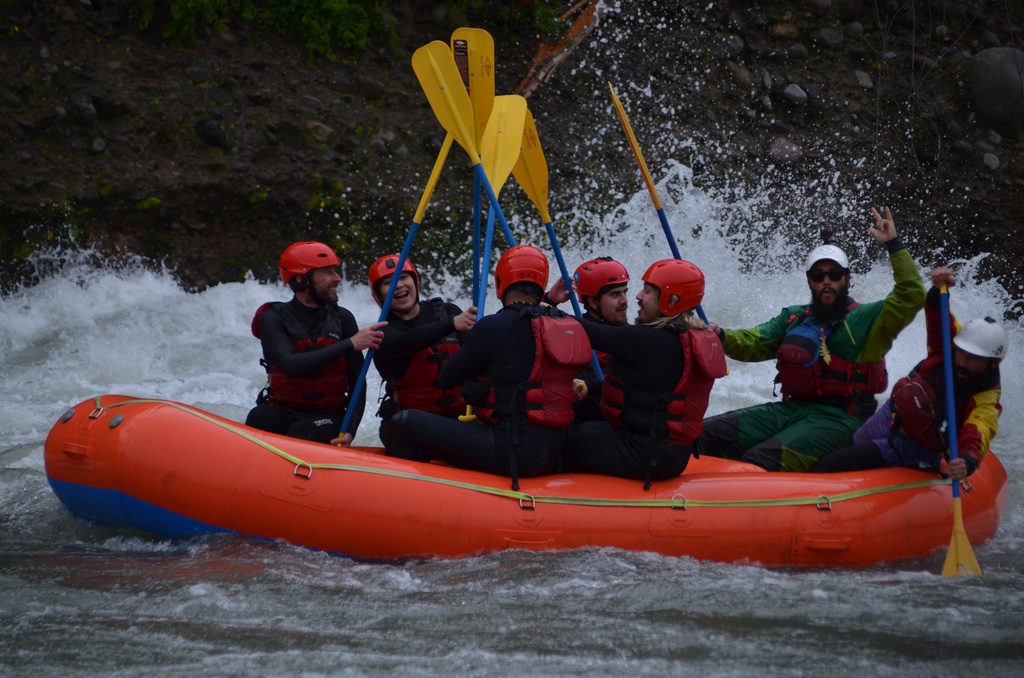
x,y
818,275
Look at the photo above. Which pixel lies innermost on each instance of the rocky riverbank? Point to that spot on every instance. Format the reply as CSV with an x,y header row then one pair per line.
x,y
210,159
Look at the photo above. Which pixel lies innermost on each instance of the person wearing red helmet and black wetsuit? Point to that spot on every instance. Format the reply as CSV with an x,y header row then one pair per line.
x,y
419,338
516,367
602,286
312,350
658,382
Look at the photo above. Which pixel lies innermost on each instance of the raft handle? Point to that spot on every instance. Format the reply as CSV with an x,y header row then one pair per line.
x,y
527,507
966,485
676,506
827,506
307,476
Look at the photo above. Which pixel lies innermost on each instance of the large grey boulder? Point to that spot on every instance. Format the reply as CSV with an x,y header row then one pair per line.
x,y
997,84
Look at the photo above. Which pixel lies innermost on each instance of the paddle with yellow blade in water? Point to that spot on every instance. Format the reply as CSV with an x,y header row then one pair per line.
x,y
531,171
473,51
960,558
385,308
621,112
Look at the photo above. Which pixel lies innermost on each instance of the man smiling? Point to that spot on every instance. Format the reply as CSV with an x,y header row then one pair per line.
x,y
312,350
830,356
602,284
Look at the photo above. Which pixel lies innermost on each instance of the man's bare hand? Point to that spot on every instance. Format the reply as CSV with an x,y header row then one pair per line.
x,y
558,293
943,275
465,320
368,337
884,229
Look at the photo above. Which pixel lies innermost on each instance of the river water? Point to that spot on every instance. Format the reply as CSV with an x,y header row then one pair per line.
x,y
87,600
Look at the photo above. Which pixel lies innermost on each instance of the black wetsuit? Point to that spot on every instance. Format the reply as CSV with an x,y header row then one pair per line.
x,y
643,357
279,349
589,409
477,446
404,338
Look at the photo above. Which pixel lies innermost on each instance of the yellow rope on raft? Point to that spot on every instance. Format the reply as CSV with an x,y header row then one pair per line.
x,y
676,502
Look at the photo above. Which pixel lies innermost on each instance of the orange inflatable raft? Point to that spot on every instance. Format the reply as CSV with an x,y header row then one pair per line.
x,y
174,470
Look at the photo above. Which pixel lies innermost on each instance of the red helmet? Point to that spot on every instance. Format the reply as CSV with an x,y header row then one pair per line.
x,y
522,263
593,275
302,257
386,266
676,277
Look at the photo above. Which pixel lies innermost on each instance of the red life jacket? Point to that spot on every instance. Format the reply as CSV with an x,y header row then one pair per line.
x,y
676,417
919,406
327,390
417,388
804,375
546,397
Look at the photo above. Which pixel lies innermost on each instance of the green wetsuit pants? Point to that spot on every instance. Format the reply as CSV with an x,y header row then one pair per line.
x,y
787,436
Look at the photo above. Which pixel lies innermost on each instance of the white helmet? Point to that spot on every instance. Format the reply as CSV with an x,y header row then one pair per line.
x,y
829,252
983,337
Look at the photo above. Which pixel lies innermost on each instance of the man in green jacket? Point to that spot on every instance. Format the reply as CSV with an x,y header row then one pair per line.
x,y
831,360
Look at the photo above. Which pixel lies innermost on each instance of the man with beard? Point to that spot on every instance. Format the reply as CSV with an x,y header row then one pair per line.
x,y
830,356
658,381
312,350
420,337
602,285
910,428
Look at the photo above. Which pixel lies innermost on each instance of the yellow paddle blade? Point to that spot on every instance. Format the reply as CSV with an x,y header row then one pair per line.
x,y
439,77
442,155
531,170
960,558
621,112
502,138
473,50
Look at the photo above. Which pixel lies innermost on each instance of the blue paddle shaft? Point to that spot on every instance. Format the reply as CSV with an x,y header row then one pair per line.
x,y
675,252
481,300
568,286
668,233
478,170
947,355
476,235
385,308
